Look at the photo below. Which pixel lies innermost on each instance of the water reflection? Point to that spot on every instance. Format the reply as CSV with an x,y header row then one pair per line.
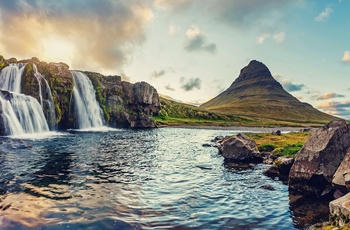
x,y
141,179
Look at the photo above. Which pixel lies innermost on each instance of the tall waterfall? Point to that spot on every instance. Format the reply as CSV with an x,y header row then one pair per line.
x,y
89,113
21,113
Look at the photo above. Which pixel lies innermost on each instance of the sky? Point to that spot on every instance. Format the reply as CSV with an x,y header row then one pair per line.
x,y
191,50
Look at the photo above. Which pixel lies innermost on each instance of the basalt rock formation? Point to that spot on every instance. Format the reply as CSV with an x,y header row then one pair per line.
x,y
256,93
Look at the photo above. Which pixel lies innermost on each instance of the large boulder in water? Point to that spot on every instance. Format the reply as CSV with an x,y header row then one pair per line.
x,y
318,160
240,148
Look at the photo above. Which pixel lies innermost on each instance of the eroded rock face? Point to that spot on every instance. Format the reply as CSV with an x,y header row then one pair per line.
x,y
125,104
240,148
341,178
318,160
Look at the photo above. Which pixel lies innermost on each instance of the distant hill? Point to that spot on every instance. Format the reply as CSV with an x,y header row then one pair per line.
x,y
255,93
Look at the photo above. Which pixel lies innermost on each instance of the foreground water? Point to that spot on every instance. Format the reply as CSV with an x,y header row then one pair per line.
x,y
137,179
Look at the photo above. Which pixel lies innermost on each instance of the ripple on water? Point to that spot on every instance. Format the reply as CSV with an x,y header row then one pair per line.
x,y
136,179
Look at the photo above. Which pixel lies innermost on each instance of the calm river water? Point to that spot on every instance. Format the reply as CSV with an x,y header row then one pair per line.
x,y
138,179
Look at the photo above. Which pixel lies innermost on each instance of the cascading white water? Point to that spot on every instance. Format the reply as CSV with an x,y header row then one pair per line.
x,y
89,113
46,99
11,76
21,113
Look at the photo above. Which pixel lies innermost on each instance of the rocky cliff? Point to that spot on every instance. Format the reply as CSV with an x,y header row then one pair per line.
x,y
123,104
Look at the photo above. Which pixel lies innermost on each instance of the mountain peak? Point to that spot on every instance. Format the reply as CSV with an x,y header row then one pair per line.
x,y
254,70
255,92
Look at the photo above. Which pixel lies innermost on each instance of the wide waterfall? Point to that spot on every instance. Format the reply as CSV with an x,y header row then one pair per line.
x,y
89,113
21,113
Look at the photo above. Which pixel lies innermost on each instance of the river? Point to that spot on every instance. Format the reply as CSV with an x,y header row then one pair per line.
x,y
138,179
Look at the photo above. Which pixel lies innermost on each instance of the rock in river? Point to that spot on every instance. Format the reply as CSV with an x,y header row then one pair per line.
x,y
240,148
318,160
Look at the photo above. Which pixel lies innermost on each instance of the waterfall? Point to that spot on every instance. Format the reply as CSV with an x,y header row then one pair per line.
x,y
21,113
11,77
46,99
89,113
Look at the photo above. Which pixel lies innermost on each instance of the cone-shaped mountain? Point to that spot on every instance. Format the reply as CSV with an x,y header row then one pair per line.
x,y
256,93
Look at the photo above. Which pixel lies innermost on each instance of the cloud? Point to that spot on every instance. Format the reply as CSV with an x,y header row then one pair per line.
x,y
260,39
346,57
241,14
173,29
102,34
168,87
279,38
124,76
175,5
336,108
324,14
329,95
190,84
157,74
197,41
291,87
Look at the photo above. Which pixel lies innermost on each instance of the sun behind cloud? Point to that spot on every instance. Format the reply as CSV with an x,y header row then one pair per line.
x,y
57,49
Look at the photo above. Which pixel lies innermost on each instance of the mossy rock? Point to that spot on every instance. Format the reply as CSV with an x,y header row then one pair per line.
x,y
3,62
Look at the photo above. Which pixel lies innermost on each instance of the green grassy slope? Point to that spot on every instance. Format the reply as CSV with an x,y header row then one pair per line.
x,y
179,114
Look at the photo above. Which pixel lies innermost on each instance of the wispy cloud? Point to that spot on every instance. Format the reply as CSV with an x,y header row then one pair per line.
x,y
197,41
190,84
261,38
337,108
157,74
324,14
346,57
291,87
329,95
173,29
277,37
168,87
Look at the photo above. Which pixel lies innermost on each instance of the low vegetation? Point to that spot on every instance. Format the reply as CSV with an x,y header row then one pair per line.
x,y
285,145
173,113
328,226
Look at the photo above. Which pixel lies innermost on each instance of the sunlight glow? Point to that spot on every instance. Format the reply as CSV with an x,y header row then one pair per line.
x,y
57,50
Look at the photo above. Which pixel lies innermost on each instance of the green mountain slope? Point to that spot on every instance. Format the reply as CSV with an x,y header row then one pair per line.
x,y
256,93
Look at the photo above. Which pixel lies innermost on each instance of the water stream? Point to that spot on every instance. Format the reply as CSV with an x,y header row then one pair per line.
x,y
89,113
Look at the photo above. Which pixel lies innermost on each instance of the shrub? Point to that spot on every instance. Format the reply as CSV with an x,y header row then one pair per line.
x,y
266,147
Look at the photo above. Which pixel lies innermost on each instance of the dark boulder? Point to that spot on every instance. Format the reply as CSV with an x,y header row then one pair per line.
x,y
318,160
284,164
280,168
240,148
341,178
